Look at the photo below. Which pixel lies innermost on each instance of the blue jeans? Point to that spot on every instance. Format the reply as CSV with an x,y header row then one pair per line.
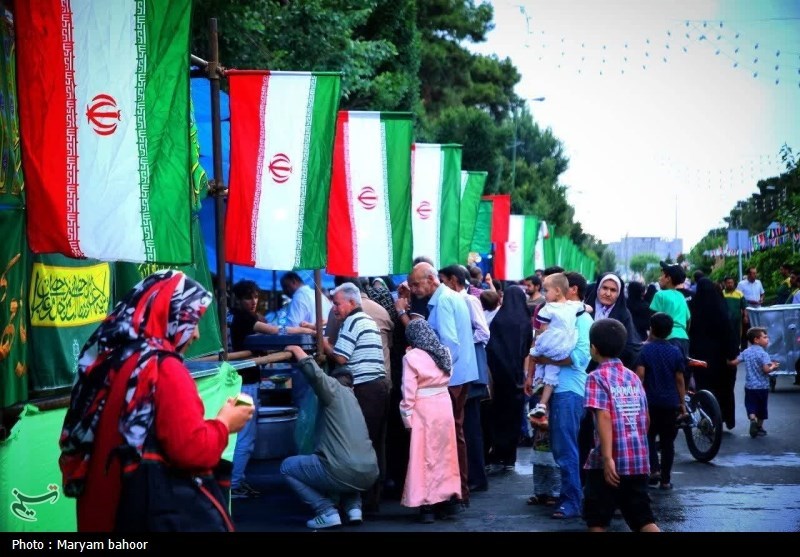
x,y
245,440
308,478
566,411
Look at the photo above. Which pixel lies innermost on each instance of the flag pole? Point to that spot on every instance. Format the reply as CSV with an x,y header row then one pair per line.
x,y
218,189
318,303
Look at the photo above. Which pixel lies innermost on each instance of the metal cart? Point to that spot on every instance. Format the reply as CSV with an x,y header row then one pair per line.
x,y
782,323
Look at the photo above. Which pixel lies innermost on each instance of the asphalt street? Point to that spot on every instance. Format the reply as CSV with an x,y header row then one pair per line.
x,y
753,485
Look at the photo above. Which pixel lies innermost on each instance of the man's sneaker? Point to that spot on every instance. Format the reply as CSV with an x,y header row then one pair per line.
x,y
537,388
761,431
753,428
240,492
494,468
250,489
540,410
325,521
354,516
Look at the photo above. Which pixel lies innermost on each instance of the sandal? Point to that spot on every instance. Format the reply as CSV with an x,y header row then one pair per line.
x,y
539,500
560,514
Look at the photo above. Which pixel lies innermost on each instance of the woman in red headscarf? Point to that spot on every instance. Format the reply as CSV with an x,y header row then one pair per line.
x,y
131,382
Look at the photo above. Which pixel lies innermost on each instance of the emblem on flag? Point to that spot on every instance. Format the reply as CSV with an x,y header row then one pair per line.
x,y
424,210
103,115
280,167
368,198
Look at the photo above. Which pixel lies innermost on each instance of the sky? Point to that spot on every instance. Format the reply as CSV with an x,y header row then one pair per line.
x,y
669,111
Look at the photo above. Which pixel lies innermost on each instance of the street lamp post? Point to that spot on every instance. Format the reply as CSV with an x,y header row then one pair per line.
x,y
516,143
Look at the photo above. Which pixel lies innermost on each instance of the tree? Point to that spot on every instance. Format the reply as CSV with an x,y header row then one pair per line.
x,y
642,262
607,263
320,35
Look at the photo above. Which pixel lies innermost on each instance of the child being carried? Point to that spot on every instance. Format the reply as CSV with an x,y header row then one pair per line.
x,y
557,340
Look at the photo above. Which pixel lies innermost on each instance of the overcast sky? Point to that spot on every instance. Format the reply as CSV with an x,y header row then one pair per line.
x,y
660,104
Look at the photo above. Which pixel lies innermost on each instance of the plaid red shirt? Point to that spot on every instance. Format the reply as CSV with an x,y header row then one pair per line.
x,y
616,389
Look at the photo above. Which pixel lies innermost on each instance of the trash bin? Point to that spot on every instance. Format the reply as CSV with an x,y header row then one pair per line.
x,y
275,432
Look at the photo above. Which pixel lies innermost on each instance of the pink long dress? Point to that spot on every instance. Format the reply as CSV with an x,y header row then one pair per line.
x,y
433,474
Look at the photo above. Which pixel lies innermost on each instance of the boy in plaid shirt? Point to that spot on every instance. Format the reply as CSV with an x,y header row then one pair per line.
x,y
618,466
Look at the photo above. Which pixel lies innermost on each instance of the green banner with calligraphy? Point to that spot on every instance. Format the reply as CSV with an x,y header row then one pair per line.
x,y
67,300
11,185
13,333
129,274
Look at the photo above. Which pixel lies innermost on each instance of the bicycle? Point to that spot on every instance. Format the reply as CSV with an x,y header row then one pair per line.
x,y
702,425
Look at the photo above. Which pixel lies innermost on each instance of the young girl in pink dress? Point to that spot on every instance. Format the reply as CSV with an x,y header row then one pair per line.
x,y
433,474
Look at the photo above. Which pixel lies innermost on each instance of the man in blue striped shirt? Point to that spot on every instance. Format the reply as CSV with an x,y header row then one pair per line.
x,y
359,350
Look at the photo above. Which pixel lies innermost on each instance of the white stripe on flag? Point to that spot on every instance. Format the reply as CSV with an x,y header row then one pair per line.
x,y
515,248
464,180
286,121
106,179
538,252
366,156
425,200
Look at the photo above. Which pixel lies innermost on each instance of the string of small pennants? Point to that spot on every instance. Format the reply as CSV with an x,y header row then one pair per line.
x,y
758,57
770,238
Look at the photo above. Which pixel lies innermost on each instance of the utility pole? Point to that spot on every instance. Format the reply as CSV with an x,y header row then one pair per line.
x,y
514,152
515,116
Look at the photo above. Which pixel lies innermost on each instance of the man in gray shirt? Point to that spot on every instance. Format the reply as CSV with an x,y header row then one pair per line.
x,y
343,463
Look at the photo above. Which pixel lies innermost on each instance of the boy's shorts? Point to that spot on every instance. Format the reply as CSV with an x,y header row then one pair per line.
x,y
755,402
631,498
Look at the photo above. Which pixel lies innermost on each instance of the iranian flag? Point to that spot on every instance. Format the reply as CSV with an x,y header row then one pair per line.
x,y
369,216
519,249
282,128
501,212
538,254
436,202
472,183
104,124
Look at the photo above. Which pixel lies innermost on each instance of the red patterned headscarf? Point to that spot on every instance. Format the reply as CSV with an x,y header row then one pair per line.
x,y
157,318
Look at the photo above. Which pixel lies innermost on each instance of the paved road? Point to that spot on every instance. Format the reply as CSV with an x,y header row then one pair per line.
x,y
753,485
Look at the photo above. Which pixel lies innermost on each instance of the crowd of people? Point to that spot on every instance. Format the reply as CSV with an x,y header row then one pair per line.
x,y
427,389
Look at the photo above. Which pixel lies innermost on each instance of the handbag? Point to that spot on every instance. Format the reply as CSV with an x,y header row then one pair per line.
x,y
156,497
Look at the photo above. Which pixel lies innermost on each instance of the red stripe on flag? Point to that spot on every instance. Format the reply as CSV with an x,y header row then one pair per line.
x,y
247,148
340,217
44,67
501,215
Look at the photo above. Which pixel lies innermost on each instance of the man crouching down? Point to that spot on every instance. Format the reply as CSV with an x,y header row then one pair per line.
x,y
343,463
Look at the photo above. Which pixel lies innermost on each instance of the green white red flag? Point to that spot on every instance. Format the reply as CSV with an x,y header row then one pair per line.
x,y
104,122
369,216
436,202
519,249
472,183
282,129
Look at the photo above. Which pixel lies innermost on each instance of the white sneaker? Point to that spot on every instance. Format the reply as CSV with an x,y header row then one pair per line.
x,y
324,521
354,516
539,411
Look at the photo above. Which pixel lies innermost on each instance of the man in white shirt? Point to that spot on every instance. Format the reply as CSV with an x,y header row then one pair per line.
x,y
302,308
752,288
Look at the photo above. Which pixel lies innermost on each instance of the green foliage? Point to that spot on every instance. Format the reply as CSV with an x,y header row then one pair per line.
x,y
777,200
641,262
697,260
607,263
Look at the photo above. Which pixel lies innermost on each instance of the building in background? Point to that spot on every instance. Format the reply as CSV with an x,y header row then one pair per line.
x,y
630,246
